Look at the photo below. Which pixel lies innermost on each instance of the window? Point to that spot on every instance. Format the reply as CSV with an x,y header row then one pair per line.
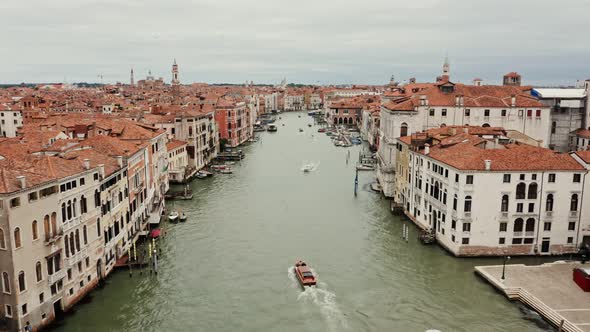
x,y
577,178
503,112
465,240
39,271
467,205
520,190
574,203
522,177
531,207
549,203
455,203
85,235
532,194
534,177
502,240
17,243
486,113
547,226
2,241
34,230
570,240
518,225
530,225
571,226
444,112
469,179
7,310
21,282
529,113
15,202
432,112
553,127
41,298
538,113
551,178
467,112
5,283
33,196
98,227
467,227
82,181
453,224
504,205
503,226
403,130
457,178
519,207
506,178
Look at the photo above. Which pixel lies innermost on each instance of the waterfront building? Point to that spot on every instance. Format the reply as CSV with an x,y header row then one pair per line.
x,y
178,167
51,247
294,101
233,120
579,140
484,193
567,112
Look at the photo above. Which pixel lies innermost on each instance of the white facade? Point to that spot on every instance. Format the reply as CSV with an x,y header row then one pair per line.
x,y
10,122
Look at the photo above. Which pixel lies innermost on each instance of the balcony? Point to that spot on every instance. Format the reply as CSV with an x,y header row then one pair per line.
x,y
56,276
529,234
549,214
517,234
573,214
74,222
504,215
51,239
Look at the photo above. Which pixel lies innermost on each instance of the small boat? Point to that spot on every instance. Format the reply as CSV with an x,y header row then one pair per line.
x,y
271,128
173,216
226,171
300,130
200,175
309,124
304,274
219,167
365,167
299,116
307,168
322,130
182,217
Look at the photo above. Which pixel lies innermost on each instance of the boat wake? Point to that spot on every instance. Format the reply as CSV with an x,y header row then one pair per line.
x,y
322,299
310,166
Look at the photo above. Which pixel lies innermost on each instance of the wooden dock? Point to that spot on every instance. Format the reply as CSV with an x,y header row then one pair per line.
x,y
548,289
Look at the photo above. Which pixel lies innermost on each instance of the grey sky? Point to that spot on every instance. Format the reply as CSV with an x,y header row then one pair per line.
x,y
325,41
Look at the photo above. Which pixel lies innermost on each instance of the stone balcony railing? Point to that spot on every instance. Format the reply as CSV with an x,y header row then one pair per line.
x,y
56,276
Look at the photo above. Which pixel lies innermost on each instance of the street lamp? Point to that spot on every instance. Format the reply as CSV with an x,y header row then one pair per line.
x,y
506,258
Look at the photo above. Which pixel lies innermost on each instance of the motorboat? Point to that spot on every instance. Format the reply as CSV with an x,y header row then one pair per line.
x,y
300,130
271,128
307,168
226,171
200,175
219,167
427,236
304,274
173,216
365,167
309,125
182,217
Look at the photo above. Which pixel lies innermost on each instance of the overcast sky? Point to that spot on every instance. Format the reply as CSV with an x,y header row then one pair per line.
x,y
319,41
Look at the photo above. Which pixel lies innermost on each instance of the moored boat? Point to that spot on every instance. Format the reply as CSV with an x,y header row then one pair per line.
x,y
173,216
322,130
271,128
365,167
182,217
304,274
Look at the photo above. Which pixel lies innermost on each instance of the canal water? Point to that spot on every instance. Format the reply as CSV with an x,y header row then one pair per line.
x,y
228,268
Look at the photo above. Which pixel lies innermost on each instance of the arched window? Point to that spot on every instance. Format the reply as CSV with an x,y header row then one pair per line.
x,y
436,190
63,212
6,282
504,206
485,125
69,209
34,230
98,227
39,271
67,243
72,246
455,203
21,282
77,240
444,200
2,240
74,208
530,225
403,130
467,205
190,131
574,203
83,206
532,191
46,227
518,225
520,190
54,223
96,198
17,242
549,203
85,235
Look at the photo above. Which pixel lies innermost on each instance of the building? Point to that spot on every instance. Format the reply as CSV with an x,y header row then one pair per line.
x,y
484,194
579,140
294,101
233,120
567,110
178,167
11,120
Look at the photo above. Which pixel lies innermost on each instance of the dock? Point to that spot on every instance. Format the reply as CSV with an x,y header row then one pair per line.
x,y
548,289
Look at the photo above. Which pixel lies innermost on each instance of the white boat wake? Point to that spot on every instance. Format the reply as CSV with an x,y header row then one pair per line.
x,y
323,299
310,166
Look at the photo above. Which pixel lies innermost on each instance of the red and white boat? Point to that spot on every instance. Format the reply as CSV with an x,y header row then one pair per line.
x,y
304,274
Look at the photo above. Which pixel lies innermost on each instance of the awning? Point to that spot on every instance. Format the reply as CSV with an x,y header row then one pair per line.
x,y
155,233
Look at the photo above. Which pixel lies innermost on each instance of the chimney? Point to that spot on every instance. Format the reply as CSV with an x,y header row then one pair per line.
x,y
119,161
513,101
101,170
22,181
87,164
426,149
488,164
457,99
423,100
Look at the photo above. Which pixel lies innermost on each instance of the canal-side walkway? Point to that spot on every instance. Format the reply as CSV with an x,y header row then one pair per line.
x,y
548,288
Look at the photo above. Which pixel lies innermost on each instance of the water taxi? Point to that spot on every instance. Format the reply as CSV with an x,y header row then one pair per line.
x,y
173,216
271,128
304,274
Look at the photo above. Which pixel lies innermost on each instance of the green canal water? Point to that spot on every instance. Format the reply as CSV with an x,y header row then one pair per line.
x,y
228,268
